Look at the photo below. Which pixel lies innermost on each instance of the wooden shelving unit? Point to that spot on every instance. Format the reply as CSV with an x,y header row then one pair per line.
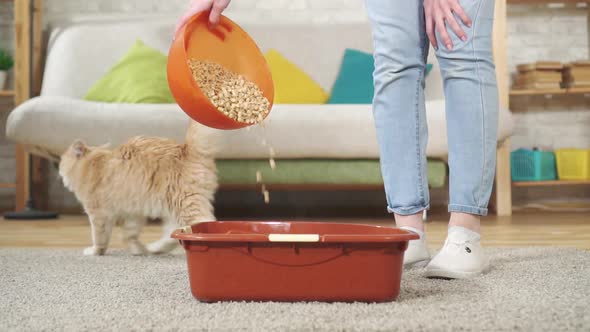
x,y
550,183
27,60
6,93
523,93
9,94
550,92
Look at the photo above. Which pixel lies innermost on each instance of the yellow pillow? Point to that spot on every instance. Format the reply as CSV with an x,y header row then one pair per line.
x,y
293,85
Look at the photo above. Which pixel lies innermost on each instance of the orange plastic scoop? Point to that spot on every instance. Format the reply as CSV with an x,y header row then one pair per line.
x,y
228,45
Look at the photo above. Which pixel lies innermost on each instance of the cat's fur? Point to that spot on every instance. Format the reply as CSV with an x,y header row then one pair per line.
x,y
147,177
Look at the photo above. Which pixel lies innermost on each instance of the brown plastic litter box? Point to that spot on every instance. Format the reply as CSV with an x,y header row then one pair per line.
x,y
294,261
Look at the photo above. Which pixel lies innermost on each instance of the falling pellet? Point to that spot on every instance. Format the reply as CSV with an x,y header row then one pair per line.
x,y
266,196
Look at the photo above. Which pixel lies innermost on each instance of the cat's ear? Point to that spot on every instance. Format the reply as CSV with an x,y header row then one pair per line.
x,y
79,148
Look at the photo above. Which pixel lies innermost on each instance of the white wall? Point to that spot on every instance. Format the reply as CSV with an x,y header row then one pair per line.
x,y
538,33
534,33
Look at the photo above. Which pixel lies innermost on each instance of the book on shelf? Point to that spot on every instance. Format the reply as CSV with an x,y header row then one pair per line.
x,y
578,84
537,86
579,63
524,82
577,75
551,75
538,76
577,72
540,66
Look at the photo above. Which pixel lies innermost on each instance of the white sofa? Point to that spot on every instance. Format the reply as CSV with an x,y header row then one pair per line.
x,y
79,54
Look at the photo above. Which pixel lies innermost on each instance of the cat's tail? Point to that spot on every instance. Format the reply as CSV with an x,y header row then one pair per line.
x,y
200,140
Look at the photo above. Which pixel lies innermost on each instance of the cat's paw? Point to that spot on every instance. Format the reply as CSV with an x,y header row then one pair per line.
x,y
94,251
137,249
162,246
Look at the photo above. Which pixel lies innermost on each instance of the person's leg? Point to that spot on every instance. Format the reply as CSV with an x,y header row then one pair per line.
x,y
472,114
466,220
472,119
400,51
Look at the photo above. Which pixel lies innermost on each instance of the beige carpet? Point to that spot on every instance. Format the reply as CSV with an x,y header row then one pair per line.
x,y
534,289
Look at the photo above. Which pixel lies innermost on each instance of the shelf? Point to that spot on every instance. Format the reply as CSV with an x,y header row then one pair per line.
x,y
550,183
7,185
6,93
551,92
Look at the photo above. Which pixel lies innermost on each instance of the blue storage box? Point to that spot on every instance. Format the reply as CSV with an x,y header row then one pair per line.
x,y
532,165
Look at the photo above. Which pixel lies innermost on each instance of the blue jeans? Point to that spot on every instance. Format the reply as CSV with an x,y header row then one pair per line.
x,y
469,81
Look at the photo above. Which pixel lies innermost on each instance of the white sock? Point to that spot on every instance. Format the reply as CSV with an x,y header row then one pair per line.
x,y
415,230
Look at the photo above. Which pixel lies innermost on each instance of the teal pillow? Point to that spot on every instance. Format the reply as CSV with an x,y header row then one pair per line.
x,y
354,84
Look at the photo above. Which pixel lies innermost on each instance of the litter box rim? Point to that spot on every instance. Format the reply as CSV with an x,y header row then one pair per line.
x,y
374,234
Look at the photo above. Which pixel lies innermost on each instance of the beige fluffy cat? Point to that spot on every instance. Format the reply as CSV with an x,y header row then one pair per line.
x,y
147,177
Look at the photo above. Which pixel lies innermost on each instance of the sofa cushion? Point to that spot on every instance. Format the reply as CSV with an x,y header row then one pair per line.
x,y
294,131
354,84
293,85
139,77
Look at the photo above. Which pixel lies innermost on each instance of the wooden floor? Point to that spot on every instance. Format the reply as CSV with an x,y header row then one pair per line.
x,y
522,229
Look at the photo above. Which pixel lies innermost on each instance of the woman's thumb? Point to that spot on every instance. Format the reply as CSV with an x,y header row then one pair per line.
x,y
196,7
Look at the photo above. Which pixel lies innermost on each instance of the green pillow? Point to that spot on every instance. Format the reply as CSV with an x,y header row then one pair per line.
x,y
354,84
139,77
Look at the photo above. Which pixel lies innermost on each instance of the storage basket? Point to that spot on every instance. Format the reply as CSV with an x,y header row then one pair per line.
x,y
573,164
532,165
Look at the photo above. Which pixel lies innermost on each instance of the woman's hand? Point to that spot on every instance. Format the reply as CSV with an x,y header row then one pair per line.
x,y
440,12
197,6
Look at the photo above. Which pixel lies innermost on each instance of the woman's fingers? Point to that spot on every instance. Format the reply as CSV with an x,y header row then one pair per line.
x,y
196,7
442,32
440,16
430,27
430,33
452,22
218,7
457,9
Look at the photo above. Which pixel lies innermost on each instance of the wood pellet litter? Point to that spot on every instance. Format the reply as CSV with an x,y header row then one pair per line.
x,y
231,93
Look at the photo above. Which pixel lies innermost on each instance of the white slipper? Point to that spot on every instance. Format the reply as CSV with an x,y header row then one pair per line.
x,y
461,256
